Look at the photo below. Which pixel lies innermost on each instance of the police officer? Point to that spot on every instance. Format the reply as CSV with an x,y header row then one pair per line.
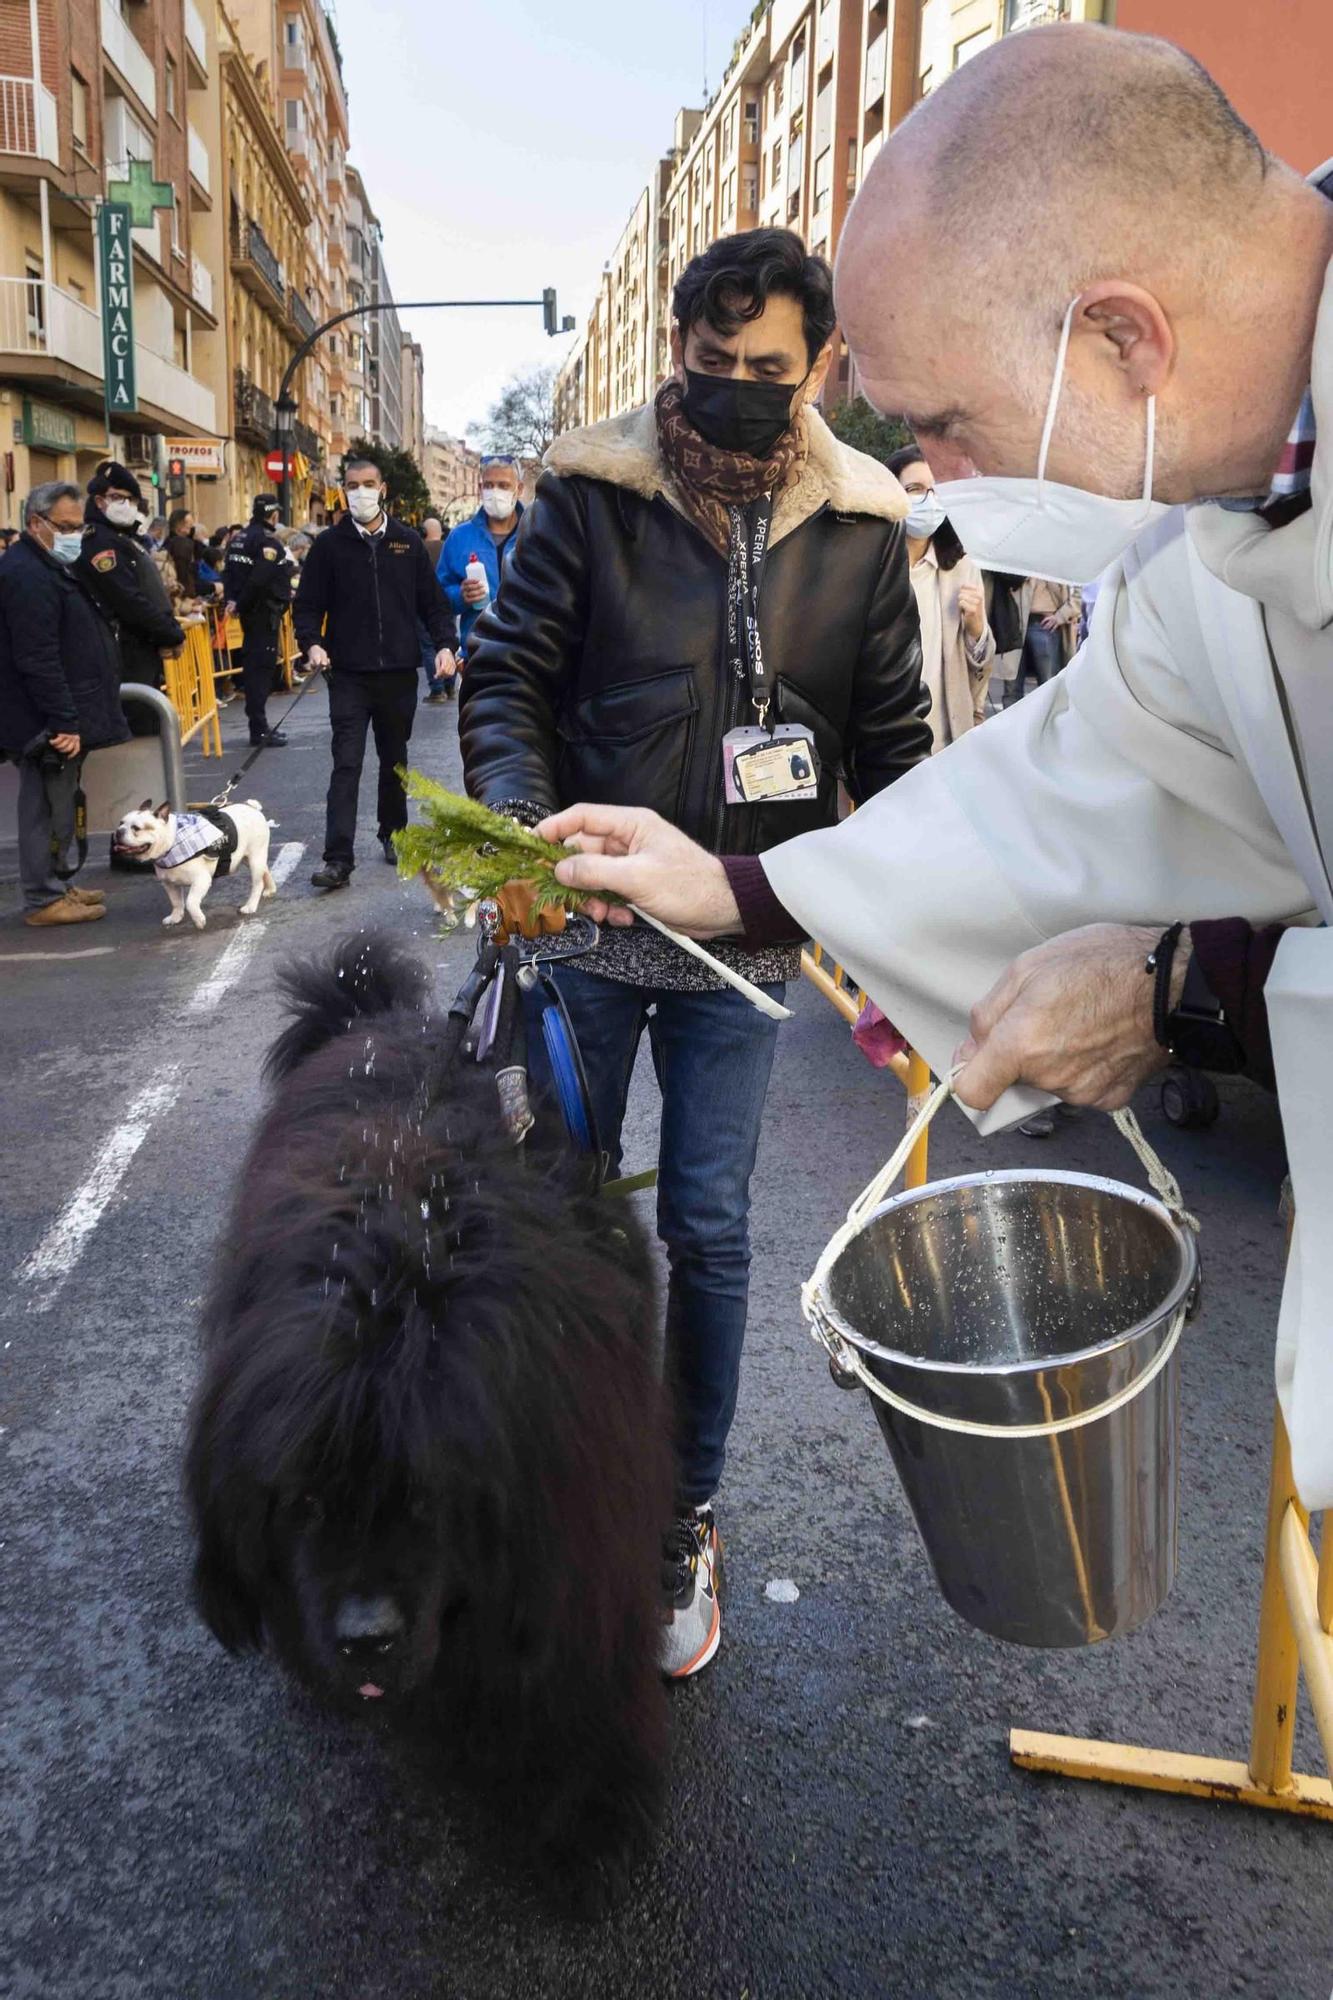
x,y
258,579
122,575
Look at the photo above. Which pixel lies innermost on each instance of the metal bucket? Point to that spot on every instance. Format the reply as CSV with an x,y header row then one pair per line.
x,y
1023,1326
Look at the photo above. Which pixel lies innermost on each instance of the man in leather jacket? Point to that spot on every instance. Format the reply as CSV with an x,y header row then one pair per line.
x,y
714,562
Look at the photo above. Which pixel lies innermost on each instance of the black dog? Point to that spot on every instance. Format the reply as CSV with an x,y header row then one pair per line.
x,y
428,1460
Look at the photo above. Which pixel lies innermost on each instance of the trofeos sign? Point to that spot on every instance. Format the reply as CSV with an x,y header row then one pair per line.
x,y
202,457
117,286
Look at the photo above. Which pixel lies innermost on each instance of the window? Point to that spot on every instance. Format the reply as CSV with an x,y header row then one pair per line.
x,y
78,103
777,93
169,77
775,165
295,115
972,46
749,189
177,247
36,290
752,121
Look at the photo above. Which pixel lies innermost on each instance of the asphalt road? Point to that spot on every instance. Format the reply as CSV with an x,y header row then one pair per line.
x,y
843,1818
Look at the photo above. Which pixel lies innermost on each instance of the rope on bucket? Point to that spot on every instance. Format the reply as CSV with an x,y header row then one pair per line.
x,y
847,1362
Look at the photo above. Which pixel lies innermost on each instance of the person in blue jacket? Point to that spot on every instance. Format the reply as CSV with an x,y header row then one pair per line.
x,y
490,535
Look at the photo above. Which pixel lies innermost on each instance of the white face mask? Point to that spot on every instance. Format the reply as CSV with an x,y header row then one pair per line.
x,y
364,502
121,513
1036,527
498,502
926,516
67,544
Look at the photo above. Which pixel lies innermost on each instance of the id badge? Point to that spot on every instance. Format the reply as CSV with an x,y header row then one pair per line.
x,y
763,767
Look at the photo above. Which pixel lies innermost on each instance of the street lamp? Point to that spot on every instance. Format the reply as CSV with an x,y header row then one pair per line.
x,y
286,409
285,419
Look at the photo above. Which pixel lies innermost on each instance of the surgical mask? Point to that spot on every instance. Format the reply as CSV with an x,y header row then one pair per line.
x,y
925,516
498,502
1037,527
121,513
363,503
746,417
67,547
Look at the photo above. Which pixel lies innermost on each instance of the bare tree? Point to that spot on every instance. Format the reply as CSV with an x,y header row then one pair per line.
x,y
522,420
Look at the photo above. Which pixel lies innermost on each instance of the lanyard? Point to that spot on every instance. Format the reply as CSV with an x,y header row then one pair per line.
x,y
749,546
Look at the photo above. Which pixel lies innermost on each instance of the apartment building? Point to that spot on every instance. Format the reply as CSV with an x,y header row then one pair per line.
x,y
292,46
810,91
89,89
270,305
412,373
451,469
384,353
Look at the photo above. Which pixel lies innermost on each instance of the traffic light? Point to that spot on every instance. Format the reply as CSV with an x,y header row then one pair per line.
x,y
549,314
176,478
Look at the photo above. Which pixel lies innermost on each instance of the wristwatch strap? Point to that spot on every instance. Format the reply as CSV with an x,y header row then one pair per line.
x,y
1159,963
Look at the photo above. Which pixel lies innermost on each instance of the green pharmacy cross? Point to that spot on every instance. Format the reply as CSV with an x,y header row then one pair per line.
x,y
141,194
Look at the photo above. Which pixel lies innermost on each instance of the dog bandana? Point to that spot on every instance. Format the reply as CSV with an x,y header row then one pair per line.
x,y
205,832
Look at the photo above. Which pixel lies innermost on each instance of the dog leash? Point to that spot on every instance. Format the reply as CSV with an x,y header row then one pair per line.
x,y
255,748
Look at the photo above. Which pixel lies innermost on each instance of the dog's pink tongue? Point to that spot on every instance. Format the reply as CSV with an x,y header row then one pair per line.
x,y
370,1691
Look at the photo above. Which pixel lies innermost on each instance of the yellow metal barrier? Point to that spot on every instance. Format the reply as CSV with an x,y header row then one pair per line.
x,y
912,1071
287,648
226,639
192,689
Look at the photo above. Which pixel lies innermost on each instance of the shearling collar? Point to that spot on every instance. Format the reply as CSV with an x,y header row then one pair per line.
x,y
623,451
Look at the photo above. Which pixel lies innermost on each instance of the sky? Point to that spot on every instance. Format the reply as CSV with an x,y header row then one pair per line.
x,y
503,147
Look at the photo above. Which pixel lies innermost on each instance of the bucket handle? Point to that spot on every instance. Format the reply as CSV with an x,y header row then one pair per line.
x,y
846,1364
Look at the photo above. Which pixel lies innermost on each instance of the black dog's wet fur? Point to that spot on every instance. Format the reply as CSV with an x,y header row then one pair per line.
x,y
430,1371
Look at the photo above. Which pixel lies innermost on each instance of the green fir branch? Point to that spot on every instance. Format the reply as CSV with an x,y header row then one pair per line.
x,y
472,852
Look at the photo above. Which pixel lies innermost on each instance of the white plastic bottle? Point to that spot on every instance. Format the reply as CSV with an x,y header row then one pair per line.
x,y
476,573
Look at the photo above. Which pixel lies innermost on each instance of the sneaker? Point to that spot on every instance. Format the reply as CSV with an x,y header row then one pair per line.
x,y
65,910
85,895
692,1580
436,697
388,850
333,875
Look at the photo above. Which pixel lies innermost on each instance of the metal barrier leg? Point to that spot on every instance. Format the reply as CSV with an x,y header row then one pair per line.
x,y
1267,1780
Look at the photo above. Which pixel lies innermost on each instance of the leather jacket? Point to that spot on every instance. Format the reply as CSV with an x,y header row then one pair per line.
x,y
601,673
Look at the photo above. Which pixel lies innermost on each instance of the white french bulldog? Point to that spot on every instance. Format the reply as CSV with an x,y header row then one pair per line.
x,y
188,849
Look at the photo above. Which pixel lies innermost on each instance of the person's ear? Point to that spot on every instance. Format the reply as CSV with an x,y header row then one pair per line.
x,y
814,381
1122,324
677,355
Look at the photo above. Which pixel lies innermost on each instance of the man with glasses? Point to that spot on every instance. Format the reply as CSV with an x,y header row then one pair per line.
x,y
487,538
59,696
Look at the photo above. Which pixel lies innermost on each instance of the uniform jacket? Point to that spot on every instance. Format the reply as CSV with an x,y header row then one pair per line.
x,y
259,575
471,538
59,662
124,578
360,598
600,675
1181,767
957,686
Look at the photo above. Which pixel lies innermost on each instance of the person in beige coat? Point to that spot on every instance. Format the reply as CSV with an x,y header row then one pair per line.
x,y
1003,903
1043,608
957,646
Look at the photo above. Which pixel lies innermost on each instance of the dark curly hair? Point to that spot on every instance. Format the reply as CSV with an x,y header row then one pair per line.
x,y
731,282
949,551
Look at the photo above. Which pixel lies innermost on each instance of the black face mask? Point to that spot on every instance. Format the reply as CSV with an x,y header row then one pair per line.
x,y
747,417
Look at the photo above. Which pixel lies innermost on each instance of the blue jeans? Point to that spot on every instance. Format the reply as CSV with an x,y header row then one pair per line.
x,y
1043,656
713,1054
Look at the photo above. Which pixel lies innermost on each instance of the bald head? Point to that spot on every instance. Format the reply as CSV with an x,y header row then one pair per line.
x,y
1072,162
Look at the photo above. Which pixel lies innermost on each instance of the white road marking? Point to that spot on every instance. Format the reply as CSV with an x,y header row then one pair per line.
x,y
243,945
21,957
62,1246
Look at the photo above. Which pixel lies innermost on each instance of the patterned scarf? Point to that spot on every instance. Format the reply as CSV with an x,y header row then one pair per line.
x,y
709,480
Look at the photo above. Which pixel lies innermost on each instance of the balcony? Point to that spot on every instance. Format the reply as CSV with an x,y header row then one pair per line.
x,y
200,170
56,332
309,443
300,314
876,66
201,284
196,41
127,58
254,418
255,265
28,120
